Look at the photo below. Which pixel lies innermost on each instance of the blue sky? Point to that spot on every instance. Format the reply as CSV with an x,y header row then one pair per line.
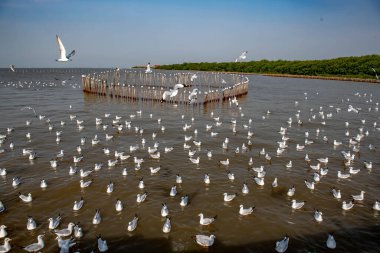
x,y
127,33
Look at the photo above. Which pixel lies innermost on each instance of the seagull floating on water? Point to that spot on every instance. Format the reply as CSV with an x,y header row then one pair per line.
x,y
133,223
245,211
34,247
282,245
204,240
331,243
6,247
205,221
66,231
102,244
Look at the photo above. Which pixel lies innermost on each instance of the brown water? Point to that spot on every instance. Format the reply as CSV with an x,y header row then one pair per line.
x,y
355,230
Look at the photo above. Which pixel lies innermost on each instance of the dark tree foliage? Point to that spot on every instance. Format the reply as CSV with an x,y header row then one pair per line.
x,y
355,66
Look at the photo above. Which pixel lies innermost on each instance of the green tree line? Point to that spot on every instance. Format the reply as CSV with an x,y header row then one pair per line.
x,y
355,66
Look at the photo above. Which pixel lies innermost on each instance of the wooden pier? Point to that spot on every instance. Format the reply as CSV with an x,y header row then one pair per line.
x,y
137,85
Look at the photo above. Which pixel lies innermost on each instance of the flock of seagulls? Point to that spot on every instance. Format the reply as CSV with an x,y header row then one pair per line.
x,y
145,156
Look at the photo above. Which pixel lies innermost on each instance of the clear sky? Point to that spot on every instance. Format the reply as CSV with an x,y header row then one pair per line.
x,y
114,33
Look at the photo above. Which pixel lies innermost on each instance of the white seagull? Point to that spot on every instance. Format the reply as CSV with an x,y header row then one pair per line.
x,y
243,56
148,70
102,244
282,246
63,57
204,240
205,221
172,92
34,247
331,243
6,247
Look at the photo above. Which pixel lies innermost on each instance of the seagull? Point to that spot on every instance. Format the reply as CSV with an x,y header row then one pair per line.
x,y
167,225
343,176
66,231
34,247
31,224
85,173
205,221
347,205
164,210
102,244
54,222
25,198
206,178
318,216
376,205
226,162
331,243
229,197
63,57
119,205
12,68
85,184
133,223
245,211
3,171
141,197
16,181
173,191
358,197
97,218
297,205
3,232
65,244
2,207
172,92
78,232
78,204
291,191
193,94
282,246
184,200
243,56
309,185
193,77
178,179
204,240
336,193
6,247
275,183
148,70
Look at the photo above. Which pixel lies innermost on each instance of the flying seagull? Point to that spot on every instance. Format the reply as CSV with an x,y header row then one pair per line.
x,y
12,67
63,57
377,77
172,92
242,56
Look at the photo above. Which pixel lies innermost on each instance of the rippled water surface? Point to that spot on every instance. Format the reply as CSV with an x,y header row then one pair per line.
x,y
57,94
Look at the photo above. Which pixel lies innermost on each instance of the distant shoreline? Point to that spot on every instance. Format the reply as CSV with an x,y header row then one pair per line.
x,y
335,78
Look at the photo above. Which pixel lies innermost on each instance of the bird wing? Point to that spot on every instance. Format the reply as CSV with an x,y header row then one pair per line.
x,y
71,54
178,86
62,49
166,94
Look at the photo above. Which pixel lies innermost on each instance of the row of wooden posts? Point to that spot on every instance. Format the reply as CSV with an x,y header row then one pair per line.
x,y
139,86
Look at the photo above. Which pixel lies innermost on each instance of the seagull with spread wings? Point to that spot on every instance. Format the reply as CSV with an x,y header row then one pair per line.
x,y
243,56
63,57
